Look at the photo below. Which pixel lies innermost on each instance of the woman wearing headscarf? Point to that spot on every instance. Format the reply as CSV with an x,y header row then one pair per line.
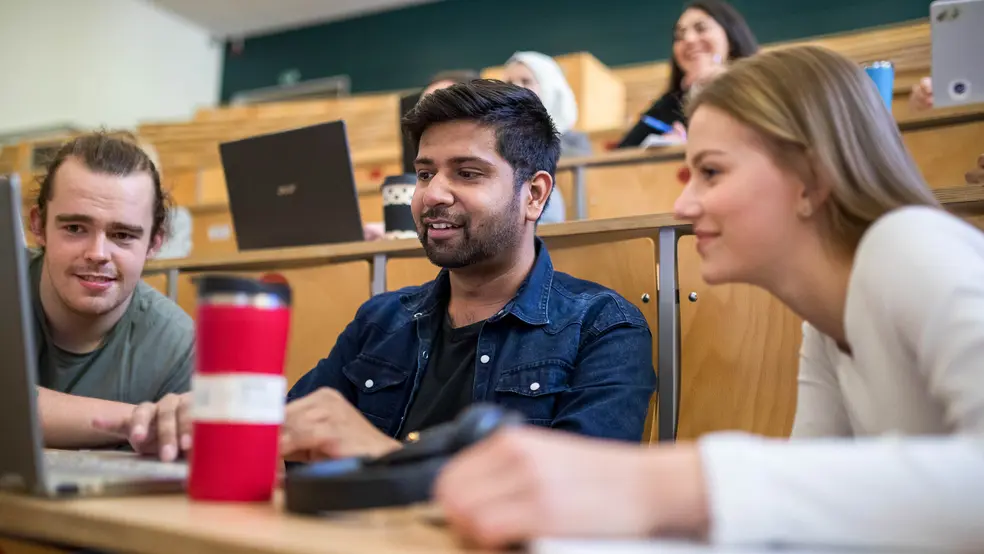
x,y
541,74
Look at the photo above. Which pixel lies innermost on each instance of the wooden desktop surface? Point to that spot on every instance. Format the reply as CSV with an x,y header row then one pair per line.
x,y
367,249
960,199
166,524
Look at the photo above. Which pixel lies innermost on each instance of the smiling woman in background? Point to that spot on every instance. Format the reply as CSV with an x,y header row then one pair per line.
x,y
541,74
708,35
801,185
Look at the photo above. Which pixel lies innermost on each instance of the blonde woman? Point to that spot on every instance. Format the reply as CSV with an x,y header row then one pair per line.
x,y
801,185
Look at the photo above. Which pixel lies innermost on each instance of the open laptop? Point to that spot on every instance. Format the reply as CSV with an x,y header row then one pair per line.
x,y
292,188
957,28
25,466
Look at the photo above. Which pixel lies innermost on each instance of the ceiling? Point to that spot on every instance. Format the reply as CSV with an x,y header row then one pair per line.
x,y
240,18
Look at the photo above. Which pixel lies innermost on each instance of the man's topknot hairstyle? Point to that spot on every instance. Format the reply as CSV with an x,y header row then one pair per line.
x,y
525,135
111,152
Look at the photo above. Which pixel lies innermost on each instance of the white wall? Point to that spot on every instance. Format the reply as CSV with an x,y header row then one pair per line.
x,y
97,63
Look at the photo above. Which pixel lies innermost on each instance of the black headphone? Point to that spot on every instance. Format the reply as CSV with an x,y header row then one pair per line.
x,y
405,476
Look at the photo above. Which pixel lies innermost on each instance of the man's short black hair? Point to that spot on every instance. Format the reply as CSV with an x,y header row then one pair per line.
x,y
525,135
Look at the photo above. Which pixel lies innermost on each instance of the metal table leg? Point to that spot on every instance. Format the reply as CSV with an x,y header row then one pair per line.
x,y
580,193
172,284
668,317
378,285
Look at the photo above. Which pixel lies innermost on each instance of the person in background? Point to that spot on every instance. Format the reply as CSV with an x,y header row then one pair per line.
x,y
709,35
801,185
376,230
921,99
108,343
541,74
177,243
498,324
445,79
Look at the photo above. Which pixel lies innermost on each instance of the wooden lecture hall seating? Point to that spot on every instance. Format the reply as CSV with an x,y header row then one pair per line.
x,y
738,346
726,355
738,350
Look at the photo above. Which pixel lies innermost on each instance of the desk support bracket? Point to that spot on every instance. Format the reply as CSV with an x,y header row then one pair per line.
x,y
172,285
668,319
378,285
580,193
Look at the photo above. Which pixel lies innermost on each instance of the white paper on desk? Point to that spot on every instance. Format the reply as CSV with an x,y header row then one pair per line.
x,y
654,140
566,546
570,546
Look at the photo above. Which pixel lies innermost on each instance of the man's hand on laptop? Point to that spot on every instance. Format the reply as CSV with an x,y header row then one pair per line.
x,y
324,425
162,428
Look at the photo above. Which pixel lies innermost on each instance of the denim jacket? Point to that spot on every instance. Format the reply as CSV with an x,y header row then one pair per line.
x,y
568,353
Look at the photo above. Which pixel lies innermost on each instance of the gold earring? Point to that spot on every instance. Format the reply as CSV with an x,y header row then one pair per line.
x,y
806,211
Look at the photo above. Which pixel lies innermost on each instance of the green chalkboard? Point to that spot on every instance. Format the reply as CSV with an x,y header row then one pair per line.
x,y
400,49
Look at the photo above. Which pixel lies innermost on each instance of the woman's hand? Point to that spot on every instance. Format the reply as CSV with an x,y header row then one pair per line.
x,y
976,176
373,231
921,97
527,483
679,133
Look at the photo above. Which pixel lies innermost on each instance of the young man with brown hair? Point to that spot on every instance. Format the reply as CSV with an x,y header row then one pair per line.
x,y
107,341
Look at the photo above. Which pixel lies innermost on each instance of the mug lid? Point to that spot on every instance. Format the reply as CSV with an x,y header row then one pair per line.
x,y
232,284
401,179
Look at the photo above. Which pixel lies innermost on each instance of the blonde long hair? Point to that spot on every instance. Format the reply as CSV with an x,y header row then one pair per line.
x,y
821,116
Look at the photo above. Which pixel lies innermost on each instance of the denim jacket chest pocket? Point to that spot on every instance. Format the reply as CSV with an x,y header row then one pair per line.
x,y
532,389
380,388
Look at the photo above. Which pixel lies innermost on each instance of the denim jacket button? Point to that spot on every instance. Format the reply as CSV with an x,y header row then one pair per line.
x,y
535,386
369,383
417,315
484,359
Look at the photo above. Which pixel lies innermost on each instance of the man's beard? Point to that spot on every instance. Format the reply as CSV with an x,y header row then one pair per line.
x,y
476,243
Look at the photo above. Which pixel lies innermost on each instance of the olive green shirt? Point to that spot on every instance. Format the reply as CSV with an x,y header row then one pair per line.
x,y
146,355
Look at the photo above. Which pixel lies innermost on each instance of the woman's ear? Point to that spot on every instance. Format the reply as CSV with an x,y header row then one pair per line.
x,y
541,185
815,188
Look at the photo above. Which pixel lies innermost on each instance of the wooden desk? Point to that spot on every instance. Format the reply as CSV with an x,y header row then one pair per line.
x,y
714,374
634,181
172,524
330,272
579,193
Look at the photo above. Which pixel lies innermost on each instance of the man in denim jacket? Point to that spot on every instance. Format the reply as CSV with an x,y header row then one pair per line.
x,y
498,324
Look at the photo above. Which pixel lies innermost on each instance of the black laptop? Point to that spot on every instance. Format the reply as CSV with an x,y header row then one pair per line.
x,y
292,188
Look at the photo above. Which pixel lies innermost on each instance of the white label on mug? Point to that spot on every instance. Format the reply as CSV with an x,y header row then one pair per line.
x,y
219,232
238,398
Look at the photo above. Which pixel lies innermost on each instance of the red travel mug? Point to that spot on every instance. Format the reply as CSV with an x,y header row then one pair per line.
x,y
238,388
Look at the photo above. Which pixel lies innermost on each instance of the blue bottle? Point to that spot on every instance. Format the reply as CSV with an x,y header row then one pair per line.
x,y
883,74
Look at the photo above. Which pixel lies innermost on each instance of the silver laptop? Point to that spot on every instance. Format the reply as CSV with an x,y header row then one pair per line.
x,y
957,28
25,466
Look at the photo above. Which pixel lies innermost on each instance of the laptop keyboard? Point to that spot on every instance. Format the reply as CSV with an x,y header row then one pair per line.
x,y
113,465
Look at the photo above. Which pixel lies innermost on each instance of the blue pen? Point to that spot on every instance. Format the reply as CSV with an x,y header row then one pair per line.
x,y
656,124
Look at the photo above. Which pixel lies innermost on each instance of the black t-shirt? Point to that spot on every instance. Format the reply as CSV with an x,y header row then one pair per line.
x,y
448,382
668,109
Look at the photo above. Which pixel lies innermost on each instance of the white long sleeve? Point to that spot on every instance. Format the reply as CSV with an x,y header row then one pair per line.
x,y
925,493
888,442
820,408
